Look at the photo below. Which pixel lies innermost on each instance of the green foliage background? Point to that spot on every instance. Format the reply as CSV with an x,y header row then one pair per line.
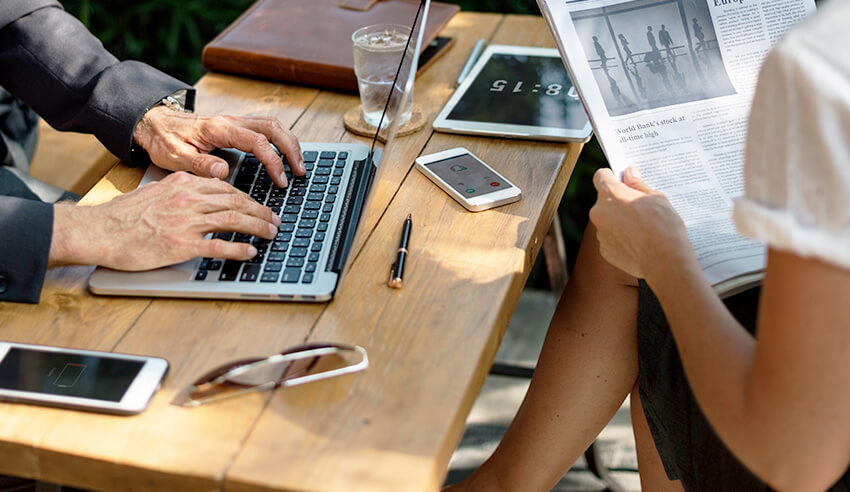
x,y
170,34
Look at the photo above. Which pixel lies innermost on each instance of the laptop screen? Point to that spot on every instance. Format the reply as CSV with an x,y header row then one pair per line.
x,y
390,170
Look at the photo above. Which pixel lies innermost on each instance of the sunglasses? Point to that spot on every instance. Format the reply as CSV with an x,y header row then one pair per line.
x,y
292,367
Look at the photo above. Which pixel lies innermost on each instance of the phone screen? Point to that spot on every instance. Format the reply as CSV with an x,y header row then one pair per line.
x,y
468,176
83,376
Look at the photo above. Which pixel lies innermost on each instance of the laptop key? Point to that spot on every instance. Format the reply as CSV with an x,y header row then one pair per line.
x,y
338,172
325,217
284,227
273,266
323,171
322,227
336,180
230,270
270,277
291,275
295,262
311,267
307,223
316,247
320,180
306,233
277,202
332,190
312,205
310,156
250,273
319,237
315,196
309,166
308,278
291,209
201,275
301,242
329,207
316,188
328,154
205,265
340,164
242,238
310,214
215,265
289,218
298,253
276,256
314,257
325,163
283,237
280,247
342,156
225,236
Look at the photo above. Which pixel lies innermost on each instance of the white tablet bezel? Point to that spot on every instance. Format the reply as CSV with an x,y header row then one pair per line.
x,y
442,123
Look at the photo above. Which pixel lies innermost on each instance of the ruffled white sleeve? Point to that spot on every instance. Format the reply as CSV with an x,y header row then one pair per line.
x,y
797,165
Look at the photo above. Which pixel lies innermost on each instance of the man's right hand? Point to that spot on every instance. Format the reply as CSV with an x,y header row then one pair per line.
x,y
160,224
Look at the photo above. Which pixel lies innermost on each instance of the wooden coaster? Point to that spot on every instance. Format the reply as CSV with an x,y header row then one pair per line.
x,y
355,123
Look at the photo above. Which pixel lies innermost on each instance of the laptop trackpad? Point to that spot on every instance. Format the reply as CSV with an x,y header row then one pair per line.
x,y
156,173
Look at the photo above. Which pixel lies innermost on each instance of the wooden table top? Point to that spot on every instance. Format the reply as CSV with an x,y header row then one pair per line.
x,y
392,427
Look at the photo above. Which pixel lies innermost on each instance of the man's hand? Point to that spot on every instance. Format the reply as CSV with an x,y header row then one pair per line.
x,y
160,224
638,230
182,141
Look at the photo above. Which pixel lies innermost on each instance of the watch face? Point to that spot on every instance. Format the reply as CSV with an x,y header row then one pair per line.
x,y
522,90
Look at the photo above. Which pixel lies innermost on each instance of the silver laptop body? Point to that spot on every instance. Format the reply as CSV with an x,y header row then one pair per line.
x,y
360,176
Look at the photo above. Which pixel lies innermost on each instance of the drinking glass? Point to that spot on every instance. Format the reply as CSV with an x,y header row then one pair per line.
x,y
378,52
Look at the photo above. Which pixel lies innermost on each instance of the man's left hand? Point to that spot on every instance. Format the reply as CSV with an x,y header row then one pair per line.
x,y
638,230
182,141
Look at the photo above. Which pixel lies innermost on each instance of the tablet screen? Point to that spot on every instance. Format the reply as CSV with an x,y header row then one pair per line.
x,y
522,90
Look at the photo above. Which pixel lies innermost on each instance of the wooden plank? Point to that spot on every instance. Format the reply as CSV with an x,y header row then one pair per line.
x,y
394,426
71,161
167,446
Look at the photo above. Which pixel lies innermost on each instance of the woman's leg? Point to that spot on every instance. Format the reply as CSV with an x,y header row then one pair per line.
x,y
586,368
652,474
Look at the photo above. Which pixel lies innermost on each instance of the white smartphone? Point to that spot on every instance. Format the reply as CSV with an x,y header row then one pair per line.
x,y
81,379
470,181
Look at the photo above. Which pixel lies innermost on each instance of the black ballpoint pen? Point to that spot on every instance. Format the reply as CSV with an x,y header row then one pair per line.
x,y
397,271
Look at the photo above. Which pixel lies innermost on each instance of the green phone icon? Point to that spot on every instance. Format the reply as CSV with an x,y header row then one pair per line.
x,y
470,190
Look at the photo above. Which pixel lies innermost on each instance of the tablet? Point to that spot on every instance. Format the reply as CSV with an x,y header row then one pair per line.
x,y
517,92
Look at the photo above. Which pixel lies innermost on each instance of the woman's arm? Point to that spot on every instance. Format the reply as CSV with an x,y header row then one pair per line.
x,y
781,402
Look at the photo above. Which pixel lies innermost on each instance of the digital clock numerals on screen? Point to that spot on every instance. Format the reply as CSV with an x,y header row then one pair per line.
x,y
519,87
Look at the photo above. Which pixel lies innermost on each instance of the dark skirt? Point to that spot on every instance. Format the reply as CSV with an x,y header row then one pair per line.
x,y
689,448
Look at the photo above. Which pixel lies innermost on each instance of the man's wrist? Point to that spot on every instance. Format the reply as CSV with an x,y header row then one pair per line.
x,y
73,237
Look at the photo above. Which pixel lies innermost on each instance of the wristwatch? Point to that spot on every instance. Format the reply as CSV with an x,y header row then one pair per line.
x,y
172,102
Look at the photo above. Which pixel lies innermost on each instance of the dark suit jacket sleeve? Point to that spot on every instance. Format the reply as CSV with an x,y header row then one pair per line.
x,y
50,61
26,228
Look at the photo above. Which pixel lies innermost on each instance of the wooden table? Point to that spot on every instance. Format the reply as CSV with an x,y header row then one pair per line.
x,y
392,427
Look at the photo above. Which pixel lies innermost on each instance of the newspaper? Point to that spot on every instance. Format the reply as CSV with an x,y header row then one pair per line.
x,y
668,85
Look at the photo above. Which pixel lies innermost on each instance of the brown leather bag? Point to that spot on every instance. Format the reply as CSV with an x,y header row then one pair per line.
x,y
309,41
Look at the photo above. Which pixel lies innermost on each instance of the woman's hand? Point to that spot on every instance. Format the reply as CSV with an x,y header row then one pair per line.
x,y
183,141
639,232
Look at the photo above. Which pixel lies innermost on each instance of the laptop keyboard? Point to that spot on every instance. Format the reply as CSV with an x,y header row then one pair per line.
x,y
305,209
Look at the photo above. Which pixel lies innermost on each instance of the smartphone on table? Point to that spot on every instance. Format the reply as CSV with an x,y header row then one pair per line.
x,y
467,179
80,379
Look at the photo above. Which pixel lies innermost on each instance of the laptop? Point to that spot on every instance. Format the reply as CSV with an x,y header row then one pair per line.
x,y
346,190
